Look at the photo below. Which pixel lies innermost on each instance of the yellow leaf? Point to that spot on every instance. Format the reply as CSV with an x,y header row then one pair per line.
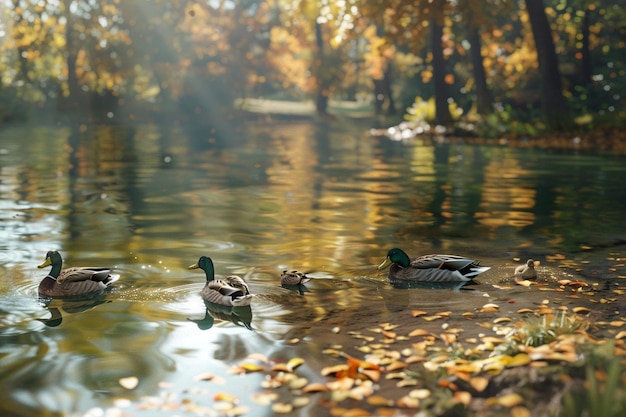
x,y
293,363
520,359
510,400
59,40
417,313
223,396
418,332
251,367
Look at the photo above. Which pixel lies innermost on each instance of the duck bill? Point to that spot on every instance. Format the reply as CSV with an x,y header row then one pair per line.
x,y
45,263
194,266
385,263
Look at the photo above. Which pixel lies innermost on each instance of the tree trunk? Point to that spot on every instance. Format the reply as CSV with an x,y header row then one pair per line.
x,y
72,81
587,69
483,95
321,101
442,112
554,105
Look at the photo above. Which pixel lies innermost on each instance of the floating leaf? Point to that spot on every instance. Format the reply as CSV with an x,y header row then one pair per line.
x,y
223,396
448,338
417,313
418,332
581,310
372,374
378,400
251,367
282,408
502,320
297,383
389,334
328,370
490,308
300,402
394,366
265,397
129,383
293,363
314,387
341,384
258,356
617,323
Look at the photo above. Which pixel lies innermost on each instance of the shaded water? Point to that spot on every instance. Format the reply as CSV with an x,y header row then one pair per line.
x,y
150,202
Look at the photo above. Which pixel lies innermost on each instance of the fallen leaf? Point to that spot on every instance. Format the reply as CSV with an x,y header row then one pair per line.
x,y
510,400
314,387
479,383
421,394
378,400
462,397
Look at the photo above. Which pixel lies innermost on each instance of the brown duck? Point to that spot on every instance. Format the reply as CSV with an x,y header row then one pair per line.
x,y
75,281
230,291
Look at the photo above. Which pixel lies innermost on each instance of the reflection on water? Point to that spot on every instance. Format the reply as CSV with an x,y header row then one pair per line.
x,y
149,202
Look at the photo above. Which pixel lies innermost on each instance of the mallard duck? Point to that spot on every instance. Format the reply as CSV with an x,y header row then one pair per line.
x,y
73,282
293,278
230,291
527,271
431,268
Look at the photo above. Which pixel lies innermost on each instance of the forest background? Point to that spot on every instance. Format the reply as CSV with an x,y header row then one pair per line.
x,y
506,66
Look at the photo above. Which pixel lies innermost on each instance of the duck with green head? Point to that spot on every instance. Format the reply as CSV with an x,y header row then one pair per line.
x,y
72,282
431,268
229,291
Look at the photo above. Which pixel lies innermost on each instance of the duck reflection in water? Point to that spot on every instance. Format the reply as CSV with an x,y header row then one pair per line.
x,y
294,281
239,315
70,306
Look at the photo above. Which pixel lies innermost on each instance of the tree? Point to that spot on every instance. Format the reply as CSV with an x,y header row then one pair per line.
x,y
442,110
555,108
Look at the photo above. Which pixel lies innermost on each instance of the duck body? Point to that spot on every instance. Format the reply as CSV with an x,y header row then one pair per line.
x,y
527,271
431,268
230,291
73,282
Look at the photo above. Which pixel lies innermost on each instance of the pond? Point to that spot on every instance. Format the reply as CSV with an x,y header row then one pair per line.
x,y
326,201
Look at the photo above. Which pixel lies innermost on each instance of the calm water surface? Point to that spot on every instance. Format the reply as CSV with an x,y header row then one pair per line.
x,y
150,201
